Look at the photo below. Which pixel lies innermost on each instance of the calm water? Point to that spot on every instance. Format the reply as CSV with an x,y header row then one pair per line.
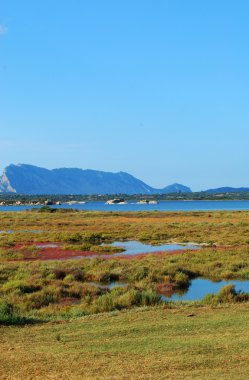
x,y
199,288
47,246
161,206
135,247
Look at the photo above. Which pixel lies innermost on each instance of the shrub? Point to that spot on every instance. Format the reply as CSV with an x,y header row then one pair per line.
x,y
78,274
227,294
104,303
150,297
143,236
42,298
140,273
181,279
74,238
8,317
92,238
109,277
59,274
106,249
69,278
47,209
19,286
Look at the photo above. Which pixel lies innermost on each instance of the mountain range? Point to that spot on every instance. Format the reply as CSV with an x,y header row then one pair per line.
x,y
33,180
29,179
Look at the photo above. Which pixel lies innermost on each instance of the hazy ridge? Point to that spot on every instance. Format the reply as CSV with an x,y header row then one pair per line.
x,y
29,179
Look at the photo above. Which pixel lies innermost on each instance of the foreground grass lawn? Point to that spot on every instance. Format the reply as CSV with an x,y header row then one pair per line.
x,y
154,343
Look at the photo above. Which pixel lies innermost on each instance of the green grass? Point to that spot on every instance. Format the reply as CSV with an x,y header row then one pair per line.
x,y
222,227
153,343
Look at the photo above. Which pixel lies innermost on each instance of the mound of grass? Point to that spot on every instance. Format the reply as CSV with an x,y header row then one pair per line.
x,y
227,294
8,317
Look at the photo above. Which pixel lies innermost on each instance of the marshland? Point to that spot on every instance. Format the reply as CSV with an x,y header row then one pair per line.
x,y
66,274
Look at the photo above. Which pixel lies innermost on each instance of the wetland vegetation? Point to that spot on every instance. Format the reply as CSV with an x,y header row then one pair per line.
x,y
40,278
47,277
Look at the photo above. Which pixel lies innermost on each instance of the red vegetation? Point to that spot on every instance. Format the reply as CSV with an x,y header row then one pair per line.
x,y
58,253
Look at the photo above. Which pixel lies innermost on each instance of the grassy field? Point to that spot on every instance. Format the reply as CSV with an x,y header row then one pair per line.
x,y
220,227
59,321
154,343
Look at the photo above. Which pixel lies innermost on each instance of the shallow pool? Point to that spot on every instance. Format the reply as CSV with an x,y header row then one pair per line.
x,y
200,287
134,247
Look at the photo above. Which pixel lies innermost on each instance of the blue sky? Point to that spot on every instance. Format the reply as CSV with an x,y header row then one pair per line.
x,y
157,88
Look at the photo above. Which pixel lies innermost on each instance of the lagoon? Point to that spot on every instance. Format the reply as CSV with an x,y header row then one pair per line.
x,y
172,206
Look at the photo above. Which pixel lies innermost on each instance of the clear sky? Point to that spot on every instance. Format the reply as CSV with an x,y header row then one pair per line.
x,y
157,88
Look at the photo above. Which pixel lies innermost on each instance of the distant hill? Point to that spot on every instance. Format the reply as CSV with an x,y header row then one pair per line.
x,y
29,179
223,190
